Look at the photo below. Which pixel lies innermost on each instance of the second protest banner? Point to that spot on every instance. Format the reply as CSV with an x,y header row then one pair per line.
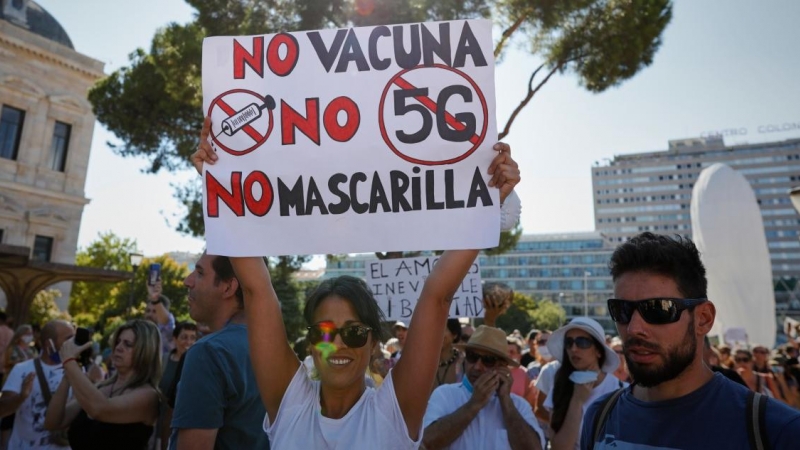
x,y
397,284
351,140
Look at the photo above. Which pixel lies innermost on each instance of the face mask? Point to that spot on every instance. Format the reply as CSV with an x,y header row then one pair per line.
x,y
544,352
27,339
467,384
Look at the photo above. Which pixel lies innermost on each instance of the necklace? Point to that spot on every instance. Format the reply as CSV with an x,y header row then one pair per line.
x,y
446,364
451,360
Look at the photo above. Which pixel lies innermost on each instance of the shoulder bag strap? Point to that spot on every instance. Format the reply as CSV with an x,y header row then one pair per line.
x,y
42,381
756,420
602,414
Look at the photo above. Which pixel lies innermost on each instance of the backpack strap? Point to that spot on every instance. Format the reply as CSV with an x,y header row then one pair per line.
x,y
42,381
602,414
756,411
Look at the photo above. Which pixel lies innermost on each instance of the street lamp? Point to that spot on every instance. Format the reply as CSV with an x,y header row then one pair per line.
x,y
136,261
561,299
586,294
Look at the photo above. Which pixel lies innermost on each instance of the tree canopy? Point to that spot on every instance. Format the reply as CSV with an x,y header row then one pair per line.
x,y
153,105
525,313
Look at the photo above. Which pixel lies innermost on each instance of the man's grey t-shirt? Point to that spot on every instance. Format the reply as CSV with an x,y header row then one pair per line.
x,y
218,389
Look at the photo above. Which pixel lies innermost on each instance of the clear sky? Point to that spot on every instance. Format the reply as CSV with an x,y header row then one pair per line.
x,y
723,65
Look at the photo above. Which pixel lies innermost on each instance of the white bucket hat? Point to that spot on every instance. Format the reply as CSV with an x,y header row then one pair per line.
x,y
556,342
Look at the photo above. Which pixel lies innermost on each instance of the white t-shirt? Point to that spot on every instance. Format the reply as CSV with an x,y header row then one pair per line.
x,y
375,421
487,429
547,376
29,429
609,384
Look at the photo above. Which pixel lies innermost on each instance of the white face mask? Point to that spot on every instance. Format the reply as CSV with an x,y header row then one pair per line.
x,y
27,339
544,352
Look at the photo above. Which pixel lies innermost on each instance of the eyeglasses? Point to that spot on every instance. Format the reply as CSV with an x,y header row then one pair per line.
x,y
541,342
488,361
741,359
581,341
655,311
353,336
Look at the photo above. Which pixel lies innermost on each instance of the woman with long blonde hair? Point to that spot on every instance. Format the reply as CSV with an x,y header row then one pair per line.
x,y
117,413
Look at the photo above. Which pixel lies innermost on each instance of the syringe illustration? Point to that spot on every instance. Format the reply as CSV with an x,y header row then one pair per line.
x,y
246,116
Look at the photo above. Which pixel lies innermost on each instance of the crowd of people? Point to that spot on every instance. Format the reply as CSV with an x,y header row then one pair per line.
x,y
231,380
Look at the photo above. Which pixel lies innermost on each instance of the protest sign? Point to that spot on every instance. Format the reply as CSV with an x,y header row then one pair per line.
x,y
397,284
351,140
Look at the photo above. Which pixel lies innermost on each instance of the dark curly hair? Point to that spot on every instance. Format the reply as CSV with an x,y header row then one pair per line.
x,y
676,258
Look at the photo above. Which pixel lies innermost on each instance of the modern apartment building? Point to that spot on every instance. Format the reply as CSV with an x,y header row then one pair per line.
x,y
565,268
652,192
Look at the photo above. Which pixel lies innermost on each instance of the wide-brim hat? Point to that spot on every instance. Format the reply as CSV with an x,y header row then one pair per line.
x,y
556,342
491,340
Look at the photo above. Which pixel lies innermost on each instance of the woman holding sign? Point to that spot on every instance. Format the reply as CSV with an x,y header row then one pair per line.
x,y
339,411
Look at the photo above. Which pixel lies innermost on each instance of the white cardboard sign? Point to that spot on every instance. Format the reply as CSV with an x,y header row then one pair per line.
x,y
351,140
397,284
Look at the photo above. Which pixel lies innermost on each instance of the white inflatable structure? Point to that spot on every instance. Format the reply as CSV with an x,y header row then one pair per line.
x,y
729,232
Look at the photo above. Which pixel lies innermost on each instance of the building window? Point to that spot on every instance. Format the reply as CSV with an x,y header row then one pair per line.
x,y
58,150
11,120
1,235
42,248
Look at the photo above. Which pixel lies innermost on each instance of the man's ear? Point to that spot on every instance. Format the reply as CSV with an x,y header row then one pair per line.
x,y
231,286
704,315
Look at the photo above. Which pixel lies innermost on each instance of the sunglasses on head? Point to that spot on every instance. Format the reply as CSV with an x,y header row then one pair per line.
x,y
655,311
488,361
581,341
353,336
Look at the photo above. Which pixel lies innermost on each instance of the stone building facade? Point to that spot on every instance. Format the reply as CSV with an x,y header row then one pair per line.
x,y
46,126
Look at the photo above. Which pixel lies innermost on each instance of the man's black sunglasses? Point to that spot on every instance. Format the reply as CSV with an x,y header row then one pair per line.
x,y
488,361
353,336
656,311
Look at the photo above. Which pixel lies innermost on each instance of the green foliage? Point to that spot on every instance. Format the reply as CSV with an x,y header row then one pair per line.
x,y
290,293
44,307
526,313
100,305
548,315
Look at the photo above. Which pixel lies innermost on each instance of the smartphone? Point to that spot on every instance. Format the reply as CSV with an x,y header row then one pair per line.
x,y
82,336
154,274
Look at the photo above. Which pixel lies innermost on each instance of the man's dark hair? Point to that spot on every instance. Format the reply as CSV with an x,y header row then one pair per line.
x,y
454,327
191,326
355,291
223,270
3,317
676,258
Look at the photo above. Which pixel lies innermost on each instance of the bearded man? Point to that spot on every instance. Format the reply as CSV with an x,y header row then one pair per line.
x,y
662,314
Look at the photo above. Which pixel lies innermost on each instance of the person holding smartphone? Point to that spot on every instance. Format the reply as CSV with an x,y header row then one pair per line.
x,y
157,311
118,413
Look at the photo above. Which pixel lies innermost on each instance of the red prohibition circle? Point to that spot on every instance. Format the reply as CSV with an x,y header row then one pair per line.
x,y
258,143
410,159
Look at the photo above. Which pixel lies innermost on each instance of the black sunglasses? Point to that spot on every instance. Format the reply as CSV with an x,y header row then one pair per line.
x,y
655,311
353,336
488,361
581,341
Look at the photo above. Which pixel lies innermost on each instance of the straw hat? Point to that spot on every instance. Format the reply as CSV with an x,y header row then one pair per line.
x,y
491,340
556,342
